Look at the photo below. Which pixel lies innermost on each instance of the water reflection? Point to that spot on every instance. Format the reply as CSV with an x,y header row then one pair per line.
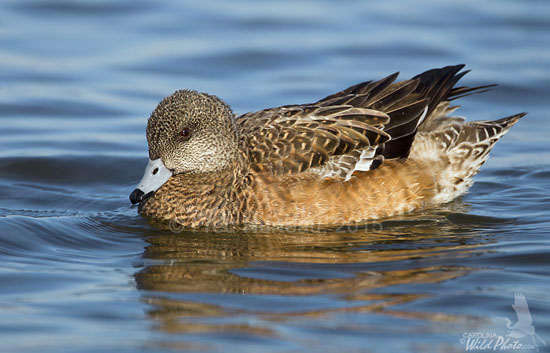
x,y
200,282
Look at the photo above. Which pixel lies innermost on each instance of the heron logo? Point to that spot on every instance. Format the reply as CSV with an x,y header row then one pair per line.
x,y
520,335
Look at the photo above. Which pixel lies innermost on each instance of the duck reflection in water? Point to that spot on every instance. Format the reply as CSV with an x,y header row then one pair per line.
x,y
199,272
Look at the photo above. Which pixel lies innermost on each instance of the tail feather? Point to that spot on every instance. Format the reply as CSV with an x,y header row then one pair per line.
x,y
489,131
459,148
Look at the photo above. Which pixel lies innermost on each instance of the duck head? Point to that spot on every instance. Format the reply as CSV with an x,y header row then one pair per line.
x,y
188,133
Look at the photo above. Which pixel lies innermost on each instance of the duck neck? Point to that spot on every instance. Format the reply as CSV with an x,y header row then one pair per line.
x,y
195,200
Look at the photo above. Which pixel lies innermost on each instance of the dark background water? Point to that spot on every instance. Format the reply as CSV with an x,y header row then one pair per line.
x,y
81,272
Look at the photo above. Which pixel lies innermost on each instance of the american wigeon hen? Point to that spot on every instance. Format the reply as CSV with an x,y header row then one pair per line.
x,y
376,149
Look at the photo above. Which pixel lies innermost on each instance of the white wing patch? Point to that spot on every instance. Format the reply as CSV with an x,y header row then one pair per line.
x,y
364,163
344,166
422,117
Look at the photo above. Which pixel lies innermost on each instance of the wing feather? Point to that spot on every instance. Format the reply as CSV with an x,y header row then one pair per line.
x,y
354,129
295,139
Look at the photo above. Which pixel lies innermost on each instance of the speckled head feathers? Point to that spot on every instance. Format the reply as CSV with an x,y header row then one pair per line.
x,y
193,133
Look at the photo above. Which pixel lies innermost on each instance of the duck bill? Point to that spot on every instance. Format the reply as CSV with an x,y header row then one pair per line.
x,y
156,174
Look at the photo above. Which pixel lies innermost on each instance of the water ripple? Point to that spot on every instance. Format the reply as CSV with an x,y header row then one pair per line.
x,y
81,271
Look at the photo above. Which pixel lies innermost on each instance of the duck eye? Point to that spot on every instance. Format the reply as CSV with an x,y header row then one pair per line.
x,y
185,132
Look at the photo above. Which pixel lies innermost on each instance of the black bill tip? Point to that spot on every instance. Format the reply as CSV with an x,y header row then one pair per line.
x,y
136,196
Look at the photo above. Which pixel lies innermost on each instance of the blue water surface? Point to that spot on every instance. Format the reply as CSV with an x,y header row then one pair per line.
x,y
80,271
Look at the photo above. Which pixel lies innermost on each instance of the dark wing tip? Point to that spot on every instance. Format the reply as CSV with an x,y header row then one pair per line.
x,y
433,87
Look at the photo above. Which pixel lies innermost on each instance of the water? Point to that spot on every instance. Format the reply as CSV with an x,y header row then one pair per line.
x,y
81,272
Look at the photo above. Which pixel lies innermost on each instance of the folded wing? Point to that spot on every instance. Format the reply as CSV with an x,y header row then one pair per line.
x,y
354,129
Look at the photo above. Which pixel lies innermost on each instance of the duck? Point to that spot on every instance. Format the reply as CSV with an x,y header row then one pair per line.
x,y
375,150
